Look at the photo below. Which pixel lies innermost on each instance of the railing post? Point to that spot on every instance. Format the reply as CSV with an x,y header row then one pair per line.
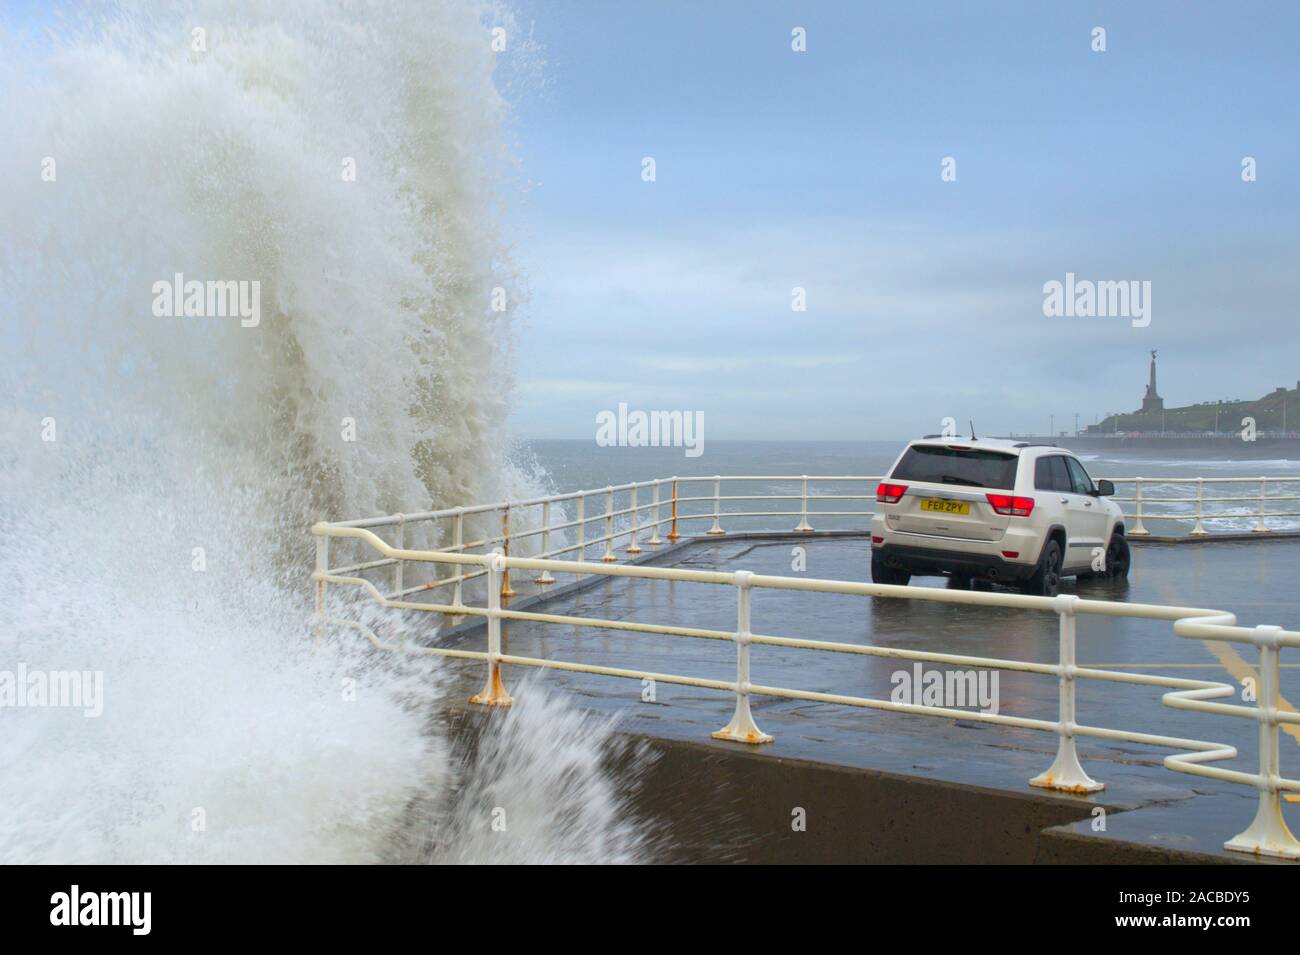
x,y
582,527
545,576
717,506
655,540
1268,833
609,555
742,728
804,526
672,531
1199,530
458,545
322,567
1139,529
401,545
1261,527
505,545
634,548
494,690
1065,773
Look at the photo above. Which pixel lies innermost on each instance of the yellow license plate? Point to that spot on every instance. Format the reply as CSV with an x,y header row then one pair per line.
x,y
944,507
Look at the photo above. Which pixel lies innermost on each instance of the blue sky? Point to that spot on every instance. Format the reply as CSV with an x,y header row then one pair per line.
x,y
821,169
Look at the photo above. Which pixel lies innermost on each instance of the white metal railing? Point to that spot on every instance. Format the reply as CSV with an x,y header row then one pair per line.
x,y
543,527
1267,834
631,511
1260,502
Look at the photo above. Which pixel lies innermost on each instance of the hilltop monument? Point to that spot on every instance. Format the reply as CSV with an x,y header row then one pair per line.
x,y
1152,401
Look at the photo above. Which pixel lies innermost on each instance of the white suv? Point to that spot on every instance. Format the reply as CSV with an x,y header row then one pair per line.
x,y
986,510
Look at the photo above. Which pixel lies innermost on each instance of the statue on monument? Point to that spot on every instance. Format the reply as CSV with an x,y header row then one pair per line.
x,y
1152,401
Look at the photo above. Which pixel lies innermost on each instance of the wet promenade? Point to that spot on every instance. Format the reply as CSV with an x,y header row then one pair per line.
x,y
1254,579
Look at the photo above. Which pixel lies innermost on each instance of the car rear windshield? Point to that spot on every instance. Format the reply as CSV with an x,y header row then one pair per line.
x,y
938,464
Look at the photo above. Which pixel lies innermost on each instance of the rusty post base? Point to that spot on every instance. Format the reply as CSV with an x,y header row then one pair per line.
x,y
1268,834
1066,774
494,693
742,728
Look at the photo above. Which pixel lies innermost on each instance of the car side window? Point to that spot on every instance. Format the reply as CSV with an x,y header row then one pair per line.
x,y
1043,475
1082,483
1060,475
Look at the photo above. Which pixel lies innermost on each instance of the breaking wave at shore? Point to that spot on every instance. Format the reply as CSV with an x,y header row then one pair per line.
x,y
158,475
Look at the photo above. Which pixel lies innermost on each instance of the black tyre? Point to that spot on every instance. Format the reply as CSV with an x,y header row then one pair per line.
x,y
880,574
1118,559
1046,581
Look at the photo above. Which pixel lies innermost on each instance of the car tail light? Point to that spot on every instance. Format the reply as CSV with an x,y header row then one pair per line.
x,y
1011,554
1014,506
890,493
877,540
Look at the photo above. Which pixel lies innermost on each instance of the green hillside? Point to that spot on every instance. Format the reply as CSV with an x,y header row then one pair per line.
x,y
1268,413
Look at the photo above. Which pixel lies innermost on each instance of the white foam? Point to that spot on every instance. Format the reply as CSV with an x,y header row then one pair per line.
x,y
1247,466
176,434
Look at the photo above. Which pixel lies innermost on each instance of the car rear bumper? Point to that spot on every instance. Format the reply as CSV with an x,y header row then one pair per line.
x,y
932,560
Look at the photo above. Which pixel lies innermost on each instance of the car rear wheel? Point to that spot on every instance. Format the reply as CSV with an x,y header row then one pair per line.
x,y
880,574
1046,580
1118,559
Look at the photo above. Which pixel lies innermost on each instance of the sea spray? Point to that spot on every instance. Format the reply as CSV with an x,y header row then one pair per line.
x,y
158,473
541,782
